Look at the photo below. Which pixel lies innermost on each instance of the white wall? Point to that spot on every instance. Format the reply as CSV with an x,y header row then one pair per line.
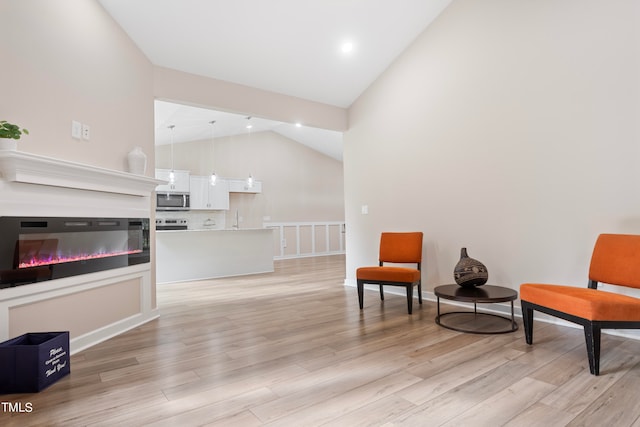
x,y
510,127
191,89
64,61
68,60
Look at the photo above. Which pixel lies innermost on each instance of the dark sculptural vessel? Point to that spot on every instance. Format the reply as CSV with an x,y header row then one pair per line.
x,y
470,272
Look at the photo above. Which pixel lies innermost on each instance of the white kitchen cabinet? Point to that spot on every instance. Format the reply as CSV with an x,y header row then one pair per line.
x,y
185,255
181,182
240,186
205,196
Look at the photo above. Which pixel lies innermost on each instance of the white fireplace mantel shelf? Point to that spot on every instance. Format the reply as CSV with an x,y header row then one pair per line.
x,y
30,168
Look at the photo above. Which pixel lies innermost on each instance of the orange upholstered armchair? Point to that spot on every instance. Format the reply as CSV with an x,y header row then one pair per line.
x,y
395,248
616,261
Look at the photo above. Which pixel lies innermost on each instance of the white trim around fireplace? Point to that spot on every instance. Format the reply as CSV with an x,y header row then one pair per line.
x,y
94,306
17,166
22,296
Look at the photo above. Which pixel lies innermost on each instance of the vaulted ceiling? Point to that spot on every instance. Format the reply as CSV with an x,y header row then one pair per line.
x,y
327,51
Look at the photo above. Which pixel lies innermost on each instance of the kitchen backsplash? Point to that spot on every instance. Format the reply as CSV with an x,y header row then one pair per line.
x,y
198,220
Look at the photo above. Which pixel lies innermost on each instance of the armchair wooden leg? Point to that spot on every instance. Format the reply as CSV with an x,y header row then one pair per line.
x,y
420,292
410,298
381,294
527,319
592,337
361,294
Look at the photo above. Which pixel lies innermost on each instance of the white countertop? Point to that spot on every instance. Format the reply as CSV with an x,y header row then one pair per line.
x,y
214,229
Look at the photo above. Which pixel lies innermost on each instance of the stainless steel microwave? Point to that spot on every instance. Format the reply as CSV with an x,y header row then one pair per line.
x,y
172,201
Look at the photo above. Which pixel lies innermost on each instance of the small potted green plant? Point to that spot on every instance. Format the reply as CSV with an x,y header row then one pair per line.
x,y
9,133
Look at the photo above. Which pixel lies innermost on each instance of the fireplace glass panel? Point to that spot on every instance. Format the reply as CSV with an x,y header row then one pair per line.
x,y
39,249
36,250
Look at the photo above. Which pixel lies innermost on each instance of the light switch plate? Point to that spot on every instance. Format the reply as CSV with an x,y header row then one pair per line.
x,y
76,129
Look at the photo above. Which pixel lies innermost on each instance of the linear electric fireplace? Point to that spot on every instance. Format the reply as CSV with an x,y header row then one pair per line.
x,y
35,249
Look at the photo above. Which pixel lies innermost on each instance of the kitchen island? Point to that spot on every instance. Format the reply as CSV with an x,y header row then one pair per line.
x,y
186,255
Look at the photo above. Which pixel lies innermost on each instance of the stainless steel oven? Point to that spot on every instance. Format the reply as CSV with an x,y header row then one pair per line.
x,y
163,224
172,201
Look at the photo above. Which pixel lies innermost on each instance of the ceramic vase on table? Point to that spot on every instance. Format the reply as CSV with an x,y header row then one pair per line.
x,y
470,272
137,161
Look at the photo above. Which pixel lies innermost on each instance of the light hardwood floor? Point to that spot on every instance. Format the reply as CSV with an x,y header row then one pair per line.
x,y
292,349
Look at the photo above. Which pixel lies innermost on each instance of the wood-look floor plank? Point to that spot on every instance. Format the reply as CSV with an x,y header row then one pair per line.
x,y
540,415
244,419
520,396
293,348
617,406
316,387
451,403
578,392
376,413
475,352
326,411
453,375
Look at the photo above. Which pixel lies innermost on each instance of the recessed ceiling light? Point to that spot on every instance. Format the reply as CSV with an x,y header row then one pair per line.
x,y
347,47
298,125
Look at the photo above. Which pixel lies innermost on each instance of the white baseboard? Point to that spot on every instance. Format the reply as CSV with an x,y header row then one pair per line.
x,y
97,336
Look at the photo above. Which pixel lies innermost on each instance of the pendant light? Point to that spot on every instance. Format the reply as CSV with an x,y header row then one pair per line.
x,y
172,174
213,178
250,178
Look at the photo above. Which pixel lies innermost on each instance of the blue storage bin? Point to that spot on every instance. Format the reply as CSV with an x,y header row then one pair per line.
x,y
33,361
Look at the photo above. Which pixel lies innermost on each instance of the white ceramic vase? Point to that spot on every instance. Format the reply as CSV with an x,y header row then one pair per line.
x,y
137,161
8,144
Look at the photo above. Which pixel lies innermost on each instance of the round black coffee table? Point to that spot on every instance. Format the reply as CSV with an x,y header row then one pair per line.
x,y
486,294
